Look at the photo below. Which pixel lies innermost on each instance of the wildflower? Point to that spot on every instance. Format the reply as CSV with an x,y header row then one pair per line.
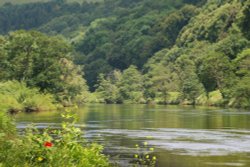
x,y
136,156
154,158
136,145
39,159
151,149
147,156
145,143
48,144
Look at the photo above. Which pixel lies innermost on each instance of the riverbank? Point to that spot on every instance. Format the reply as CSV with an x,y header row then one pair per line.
x,y
213,98
64,146
17,97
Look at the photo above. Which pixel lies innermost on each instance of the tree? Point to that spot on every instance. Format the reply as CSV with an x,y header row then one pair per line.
x,y
216,72
76,88
242,63
241,90
107,90
4,60
232,45
162,80
131,85
41,61
241,93
245,21
172,24
191,87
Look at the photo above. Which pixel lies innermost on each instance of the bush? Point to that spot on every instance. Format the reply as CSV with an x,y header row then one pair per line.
x,y
241,94
6,126
51,147
16,96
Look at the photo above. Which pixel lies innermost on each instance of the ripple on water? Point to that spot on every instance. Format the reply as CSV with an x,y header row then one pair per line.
x,y
224,164
180,141
23,125
188,141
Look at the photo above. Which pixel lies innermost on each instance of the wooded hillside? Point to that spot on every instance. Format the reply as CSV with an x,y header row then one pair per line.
x,y
186,51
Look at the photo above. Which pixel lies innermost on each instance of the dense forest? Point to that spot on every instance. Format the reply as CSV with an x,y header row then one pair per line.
x,y
128,51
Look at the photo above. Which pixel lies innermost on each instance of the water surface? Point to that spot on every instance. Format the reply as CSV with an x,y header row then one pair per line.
x,y
181,136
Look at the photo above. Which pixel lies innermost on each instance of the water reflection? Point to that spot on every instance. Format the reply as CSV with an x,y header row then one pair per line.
x,y
182,136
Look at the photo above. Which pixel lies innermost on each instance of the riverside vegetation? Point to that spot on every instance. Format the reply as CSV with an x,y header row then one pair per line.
x,y
167,52
37,74
49,147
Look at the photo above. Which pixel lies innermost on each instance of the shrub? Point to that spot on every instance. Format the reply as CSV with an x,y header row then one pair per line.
x,y
52,147
6,125
16,96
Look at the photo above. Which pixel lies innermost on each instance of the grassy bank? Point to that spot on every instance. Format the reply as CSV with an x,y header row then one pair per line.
x,y
48,147
16,96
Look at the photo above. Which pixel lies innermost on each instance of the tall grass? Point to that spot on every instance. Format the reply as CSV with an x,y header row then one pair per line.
x,y
6,125
64,147
16,96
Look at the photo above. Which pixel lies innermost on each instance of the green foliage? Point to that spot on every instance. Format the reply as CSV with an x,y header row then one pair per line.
x,y
43,62
171,25
242,63
131,85
215,98
211,24
191,87
216,63
232,45
75,88
16,96
245,21
185,49
117,87
216,71
107,88
241,91
7,128
207,61
162,78
241,94
131,38
112,34
52,147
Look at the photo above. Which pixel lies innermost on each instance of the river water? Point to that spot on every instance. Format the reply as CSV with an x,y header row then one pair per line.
x,y
180,136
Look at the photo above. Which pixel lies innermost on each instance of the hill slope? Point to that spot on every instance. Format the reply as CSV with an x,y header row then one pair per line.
x,y
186,51
211,54
110,34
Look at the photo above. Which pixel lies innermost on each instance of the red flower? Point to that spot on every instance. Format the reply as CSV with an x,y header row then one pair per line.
x,y
48,144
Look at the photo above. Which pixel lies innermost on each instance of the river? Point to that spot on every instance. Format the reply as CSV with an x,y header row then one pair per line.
x,y
181,136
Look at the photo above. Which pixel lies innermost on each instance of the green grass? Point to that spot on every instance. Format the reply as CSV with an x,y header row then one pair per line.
x,y
16,96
